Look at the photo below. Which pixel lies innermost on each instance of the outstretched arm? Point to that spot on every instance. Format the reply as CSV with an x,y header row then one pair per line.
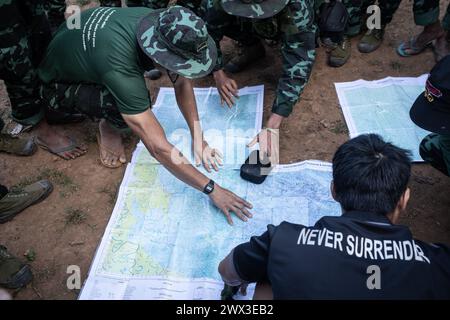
x,y
147,127
184,93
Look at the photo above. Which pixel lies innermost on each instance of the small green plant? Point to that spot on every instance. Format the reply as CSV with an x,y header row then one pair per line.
x,y
75,216
57,177
30,254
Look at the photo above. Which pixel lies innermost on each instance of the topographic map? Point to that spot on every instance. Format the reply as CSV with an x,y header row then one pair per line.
x,y
165,239
382,107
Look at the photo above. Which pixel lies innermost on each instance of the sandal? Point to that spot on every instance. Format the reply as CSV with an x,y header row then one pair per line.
x,y
58,151
409,48
103,148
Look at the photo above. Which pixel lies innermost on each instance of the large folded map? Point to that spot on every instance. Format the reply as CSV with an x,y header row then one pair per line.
x,y
165,240
382,107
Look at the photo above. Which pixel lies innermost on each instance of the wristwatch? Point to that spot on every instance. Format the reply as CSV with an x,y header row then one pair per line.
x,y
209,187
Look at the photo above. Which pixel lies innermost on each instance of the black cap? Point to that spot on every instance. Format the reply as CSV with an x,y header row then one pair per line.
x,y
431,110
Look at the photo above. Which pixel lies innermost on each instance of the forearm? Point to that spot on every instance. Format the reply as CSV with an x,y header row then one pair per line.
x,y
181,168
148,129
184,93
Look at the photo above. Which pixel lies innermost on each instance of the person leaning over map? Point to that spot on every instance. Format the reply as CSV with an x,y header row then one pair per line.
x,y
291,22
363,254
431,111
97,70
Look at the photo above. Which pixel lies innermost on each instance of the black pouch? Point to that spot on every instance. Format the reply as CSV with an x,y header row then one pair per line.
x,y
255,170
333,18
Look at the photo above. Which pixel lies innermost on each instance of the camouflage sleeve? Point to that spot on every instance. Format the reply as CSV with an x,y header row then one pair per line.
x,y
298,54
217,20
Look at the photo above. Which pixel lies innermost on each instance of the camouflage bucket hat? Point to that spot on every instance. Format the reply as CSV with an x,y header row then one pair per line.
x,y
178,40
258,9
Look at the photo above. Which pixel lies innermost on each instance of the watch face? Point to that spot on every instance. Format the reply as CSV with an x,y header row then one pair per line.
x,y
209,187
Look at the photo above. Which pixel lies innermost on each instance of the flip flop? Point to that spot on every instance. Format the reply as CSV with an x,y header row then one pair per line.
x,y
58,151
411,46
103,148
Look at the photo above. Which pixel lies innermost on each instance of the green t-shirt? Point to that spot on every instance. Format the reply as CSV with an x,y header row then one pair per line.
x,y
104,50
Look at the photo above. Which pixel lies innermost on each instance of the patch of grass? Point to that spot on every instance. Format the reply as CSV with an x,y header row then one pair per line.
x,y
339,127
110,192
75,216
57,177
396,66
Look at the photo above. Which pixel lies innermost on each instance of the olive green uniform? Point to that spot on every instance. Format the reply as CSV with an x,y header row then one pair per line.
x,y
98,69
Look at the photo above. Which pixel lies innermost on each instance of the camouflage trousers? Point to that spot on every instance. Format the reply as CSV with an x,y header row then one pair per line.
x,y
427,12
357,12
94,101
16,66
435,149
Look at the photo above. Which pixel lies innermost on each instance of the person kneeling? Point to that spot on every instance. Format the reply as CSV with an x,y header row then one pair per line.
x,y
363,254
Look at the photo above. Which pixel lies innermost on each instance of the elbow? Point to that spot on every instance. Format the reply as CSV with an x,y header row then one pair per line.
x,y
160,150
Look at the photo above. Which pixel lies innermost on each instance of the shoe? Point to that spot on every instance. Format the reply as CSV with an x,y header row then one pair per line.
x,y
246,55
371,41
14,273
340,54
16,201
17,146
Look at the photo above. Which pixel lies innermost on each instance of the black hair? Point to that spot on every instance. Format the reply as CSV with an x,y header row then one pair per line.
x,y
370,174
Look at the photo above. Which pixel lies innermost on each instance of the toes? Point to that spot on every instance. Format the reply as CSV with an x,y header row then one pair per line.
x,y
123,159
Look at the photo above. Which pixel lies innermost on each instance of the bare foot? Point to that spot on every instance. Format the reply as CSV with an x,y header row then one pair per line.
x,y
54,140
112,151
441,47
429,33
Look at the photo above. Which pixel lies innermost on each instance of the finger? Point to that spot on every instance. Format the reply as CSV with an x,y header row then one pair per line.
x,y
237,211
221,100
206,165
232,90
245,203
198,160
229,100
228,216
253,142
211,159
234,85
219,160
218,153
246,212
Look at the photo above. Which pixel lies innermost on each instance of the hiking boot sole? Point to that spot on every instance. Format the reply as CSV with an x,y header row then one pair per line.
x,y
11,215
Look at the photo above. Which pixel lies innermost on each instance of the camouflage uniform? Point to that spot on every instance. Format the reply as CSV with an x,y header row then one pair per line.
x,y
294,26
197,6
94,101
427,12
435,149
18,59
357,11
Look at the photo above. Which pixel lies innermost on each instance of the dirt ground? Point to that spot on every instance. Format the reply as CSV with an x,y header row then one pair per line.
x,y
66,228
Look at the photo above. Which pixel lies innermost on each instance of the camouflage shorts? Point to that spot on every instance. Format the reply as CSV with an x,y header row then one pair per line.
x,y
94,101
435,149
427,12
